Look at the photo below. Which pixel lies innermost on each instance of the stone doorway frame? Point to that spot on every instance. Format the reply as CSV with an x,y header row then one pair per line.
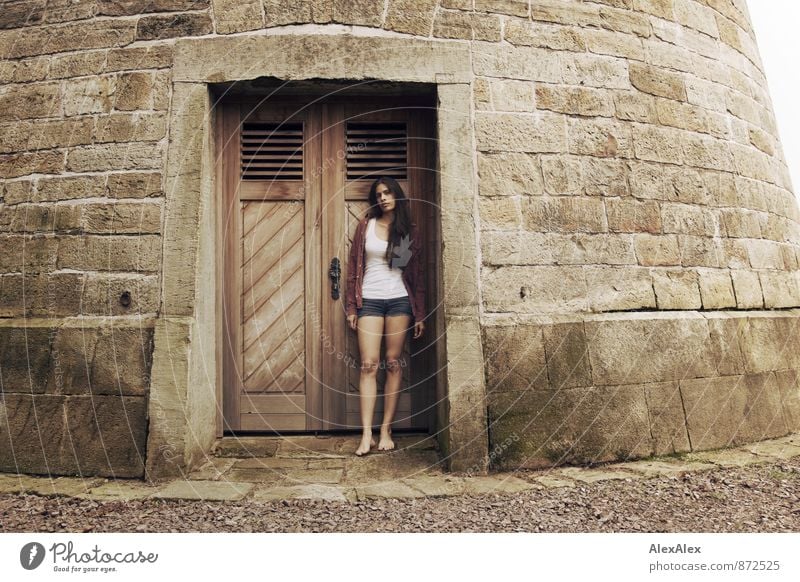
x,y
185,390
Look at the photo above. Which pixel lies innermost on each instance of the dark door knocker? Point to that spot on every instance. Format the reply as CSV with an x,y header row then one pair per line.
x,y
335,272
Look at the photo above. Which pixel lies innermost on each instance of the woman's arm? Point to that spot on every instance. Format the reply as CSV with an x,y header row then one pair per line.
x,y
350,292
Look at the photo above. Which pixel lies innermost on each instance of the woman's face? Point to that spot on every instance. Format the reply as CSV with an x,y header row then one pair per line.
x,y
385,198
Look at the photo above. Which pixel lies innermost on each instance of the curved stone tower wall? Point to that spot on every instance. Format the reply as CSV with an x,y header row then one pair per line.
x,y
638,235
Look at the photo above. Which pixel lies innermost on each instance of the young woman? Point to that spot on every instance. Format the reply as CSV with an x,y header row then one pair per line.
x,y
385,295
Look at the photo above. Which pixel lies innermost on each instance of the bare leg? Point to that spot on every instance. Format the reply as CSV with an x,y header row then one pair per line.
x,y
370,333
396,328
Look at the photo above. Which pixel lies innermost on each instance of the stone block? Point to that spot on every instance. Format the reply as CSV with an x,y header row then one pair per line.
x,y
544,289
657,81
705,152
516,248
173,26
110,253
32,101
520,32
89,95
716,289
69,188
523,63
731,410
58,38
134,185
543,132
657,251
515,358
591,249
100,435
631,215
122,218
563,175
700,251
464,25
645,348
780,289
688,219
604,177
747,289
600,137
500,213
574,100
39,135
676,289
233,16
512,95
509,174
769,342
136,58
24,359
130,127
789,389
549,427
103,294
594,70
115,156
566,348
410,16
667,420
635,106
657,144
564,214
619,289
44,162
122,362
133,91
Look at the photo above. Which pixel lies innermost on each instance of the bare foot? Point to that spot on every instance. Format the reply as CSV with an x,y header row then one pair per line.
x,y
366,442
386,444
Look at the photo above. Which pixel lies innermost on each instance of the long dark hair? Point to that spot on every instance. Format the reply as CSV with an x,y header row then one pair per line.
x,y
400,226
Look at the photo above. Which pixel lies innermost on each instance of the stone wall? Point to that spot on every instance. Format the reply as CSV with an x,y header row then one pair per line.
x,y
630,184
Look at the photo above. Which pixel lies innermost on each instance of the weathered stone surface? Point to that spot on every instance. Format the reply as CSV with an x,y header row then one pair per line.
x,y
509,174
657,81
30,101
604,138
515,358
667,418
173,25
716,289
657,251
567,352
100,33
410,16
541,132
237,16
619,289
574,100
535,289
564,214
546,436
133,91
731,410
676,289
204,490
631,215
594,71
464,25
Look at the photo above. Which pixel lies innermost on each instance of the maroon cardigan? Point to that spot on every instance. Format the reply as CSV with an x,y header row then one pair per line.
x,y
412,273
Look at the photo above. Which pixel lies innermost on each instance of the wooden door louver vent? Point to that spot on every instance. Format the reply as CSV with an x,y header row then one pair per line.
x,y
376,148
272,151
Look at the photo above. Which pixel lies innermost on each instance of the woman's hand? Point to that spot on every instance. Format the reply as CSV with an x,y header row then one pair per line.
x,y
351,319
419,328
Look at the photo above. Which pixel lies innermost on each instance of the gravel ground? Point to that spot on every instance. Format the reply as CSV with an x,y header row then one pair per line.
x,y
760,498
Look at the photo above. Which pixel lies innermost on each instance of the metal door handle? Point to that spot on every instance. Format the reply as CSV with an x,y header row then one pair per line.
x,y
335,273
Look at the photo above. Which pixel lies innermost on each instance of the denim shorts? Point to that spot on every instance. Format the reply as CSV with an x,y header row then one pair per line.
x,y
382,307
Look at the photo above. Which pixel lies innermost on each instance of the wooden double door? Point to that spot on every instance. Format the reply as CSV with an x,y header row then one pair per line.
x,y
295,174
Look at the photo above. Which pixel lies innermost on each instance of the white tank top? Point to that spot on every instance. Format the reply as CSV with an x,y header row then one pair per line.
x,y
380,282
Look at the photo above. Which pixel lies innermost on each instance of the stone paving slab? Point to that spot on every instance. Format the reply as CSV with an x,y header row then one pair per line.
x,y
270,476
213,469
728,458
783,450
436,485
388,489
593,475
313,491
310,476
204,490
243,447
499,483
663,468
121,490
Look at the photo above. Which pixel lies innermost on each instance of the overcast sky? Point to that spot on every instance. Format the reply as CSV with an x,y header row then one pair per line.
x,y
775,23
